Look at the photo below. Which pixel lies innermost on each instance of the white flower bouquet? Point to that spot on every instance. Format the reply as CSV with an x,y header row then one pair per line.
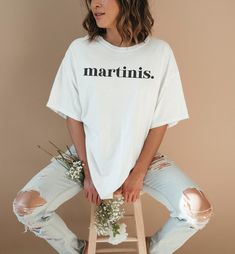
x,y
108,212
107,215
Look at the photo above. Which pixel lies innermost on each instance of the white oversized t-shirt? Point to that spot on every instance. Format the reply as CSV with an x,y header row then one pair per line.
x,y
119,93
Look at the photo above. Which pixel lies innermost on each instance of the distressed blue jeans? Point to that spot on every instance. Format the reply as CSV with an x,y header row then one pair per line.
x,y
190,210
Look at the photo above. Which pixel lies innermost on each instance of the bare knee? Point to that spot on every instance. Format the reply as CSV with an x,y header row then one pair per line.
x,y
26,201
196,206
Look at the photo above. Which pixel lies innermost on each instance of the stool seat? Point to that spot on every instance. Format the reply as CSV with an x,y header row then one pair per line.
x,y
139,226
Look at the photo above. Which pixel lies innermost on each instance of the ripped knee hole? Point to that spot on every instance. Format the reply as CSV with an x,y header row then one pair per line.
x,y
196,205
26,201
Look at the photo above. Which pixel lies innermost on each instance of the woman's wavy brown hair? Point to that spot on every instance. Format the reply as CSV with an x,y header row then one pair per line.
x,y
134,21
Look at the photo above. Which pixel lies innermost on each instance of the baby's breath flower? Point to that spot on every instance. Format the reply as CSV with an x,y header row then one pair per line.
x,y
107,215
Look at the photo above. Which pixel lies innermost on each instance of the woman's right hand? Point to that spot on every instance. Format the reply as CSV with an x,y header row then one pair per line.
x,y
90,191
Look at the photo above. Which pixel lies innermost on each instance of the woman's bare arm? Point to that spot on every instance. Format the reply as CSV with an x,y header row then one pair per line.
x,y
77,134
151,146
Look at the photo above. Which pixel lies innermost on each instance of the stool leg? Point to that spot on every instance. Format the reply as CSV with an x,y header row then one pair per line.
x,y
140,227
92,232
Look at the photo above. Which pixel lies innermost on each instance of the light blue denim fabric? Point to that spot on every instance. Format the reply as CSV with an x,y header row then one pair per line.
x,y
164,181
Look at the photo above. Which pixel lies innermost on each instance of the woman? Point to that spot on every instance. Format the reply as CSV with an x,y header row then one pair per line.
x,y
119,89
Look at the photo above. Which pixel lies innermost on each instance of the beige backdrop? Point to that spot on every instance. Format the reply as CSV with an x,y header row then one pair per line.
x,y
34,37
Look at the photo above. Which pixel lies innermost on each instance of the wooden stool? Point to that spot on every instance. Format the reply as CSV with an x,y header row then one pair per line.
x,y
139,223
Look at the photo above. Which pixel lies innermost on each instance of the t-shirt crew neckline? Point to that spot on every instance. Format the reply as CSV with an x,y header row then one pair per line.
x,y
109,45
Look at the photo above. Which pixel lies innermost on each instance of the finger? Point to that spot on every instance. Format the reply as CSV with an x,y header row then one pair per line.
x,y
100,200
127,197
134,198
138,196
130,197
124,196
86,194
90,197
93,198
97,200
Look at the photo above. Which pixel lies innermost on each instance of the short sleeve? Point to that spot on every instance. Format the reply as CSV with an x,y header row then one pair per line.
x,y
64,95
171,105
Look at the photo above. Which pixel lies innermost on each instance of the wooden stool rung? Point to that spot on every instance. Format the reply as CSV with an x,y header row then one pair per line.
x,y
116,250
103,239
128,216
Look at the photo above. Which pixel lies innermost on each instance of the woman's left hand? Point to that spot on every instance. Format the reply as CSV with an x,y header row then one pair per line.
x,y
132,186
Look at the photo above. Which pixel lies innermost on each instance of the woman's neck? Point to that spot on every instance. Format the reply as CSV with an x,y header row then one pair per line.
x,y
114,38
